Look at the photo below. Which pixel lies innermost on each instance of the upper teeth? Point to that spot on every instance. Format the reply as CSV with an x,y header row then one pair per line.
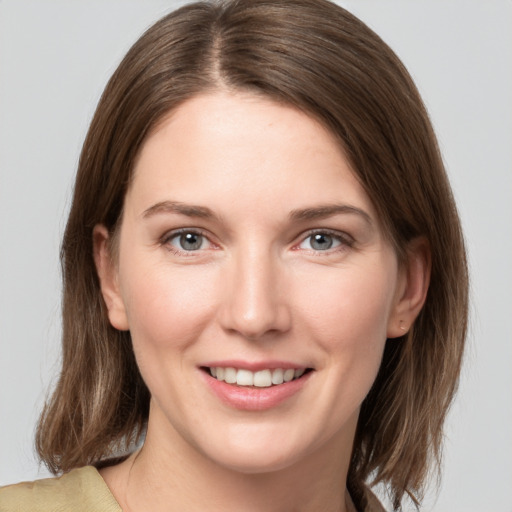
x,y
261,379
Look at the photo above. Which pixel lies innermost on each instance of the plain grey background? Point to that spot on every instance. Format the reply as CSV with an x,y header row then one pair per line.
x,y
55,58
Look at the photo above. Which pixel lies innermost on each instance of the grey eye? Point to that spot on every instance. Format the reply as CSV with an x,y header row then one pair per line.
x,y
188,241
321,241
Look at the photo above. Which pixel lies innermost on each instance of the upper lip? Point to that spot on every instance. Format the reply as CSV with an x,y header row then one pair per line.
x,y
254,366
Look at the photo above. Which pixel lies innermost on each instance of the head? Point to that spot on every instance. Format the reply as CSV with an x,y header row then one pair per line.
x,y
315,58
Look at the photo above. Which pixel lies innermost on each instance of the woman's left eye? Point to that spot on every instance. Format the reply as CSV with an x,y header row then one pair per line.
x,y
187,241
323,241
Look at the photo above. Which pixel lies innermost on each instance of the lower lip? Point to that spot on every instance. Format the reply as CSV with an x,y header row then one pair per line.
x,y
253,398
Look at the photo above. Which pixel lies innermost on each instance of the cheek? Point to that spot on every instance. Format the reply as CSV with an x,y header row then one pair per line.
x,y
166,308
349,302
347,314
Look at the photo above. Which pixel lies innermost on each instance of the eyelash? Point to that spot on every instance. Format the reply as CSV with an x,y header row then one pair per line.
x,y
345,241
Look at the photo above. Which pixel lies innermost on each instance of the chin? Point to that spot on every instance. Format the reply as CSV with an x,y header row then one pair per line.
x,y
258,450
251,463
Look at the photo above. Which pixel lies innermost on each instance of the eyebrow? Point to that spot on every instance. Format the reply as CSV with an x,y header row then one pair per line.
x,y
189,210
313,213
329,210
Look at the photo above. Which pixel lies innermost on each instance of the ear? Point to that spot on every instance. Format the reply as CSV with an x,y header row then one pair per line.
x,y
108,277
412,289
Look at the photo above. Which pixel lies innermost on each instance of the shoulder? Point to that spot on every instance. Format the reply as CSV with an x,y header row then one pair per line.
x,y
79,490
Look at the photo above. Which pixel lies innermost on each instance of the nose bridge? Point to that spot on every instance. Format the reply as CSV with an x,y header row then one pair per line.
x,y
254,305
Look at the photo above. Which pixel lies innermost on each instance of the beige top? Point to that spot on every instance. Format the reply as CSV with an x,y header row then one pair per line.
x,y
80,490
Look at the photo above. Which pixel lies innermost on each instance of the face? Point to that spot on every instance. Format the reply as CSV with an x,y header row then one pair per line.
x,y
256,283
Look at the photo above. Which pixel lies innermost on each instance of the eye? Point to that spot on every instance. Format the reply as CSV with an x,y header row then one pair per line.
x,y
187,241
324,241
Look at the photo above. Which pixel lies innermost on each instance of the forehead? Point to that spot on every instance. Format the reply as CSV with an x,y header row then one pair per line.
x,y
236,149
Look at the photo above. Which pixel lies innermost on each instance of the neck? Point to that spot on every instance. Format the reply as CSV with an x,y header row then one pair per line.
x,y
170,474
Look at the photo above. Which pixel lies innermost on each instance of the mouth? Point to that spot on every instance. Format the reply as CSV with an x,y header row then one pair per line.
x,y
264,378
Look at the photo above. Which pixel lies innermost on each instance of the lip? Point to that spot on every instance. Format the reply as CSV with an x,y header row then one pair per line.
x,y
248,398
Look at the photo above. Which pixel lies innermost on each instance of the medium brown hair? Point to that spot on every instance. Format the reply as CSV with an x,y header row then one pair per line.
x,y
317,57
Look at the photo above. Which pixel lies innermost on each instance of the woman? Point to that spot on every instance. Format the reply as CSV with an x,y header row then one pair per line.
x,y
255,279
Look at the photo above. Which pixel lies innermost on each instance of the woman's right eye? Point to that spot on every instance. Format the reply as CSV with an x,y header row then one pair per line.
x,y
187,241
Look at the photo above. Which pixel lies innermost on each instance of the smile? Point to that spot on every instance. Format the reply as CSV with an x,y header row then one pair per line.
x,y
260,379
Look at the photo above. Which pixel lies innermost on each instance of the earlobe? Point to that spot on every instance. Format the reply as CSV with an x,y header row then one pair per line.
x,y
108,277
412,289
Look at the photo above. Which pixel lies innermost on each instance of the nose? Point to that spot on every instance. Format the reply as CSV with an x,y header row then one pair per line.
x,y
255,303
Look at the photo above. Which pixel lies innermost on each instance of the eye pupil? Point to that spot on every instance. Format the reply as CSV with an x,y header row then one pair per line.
x,y
191,241
321,242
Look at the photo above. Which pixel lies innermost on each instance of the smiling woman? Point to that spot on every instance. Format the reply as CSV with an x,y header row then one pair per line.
x,y
220,304
254,279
